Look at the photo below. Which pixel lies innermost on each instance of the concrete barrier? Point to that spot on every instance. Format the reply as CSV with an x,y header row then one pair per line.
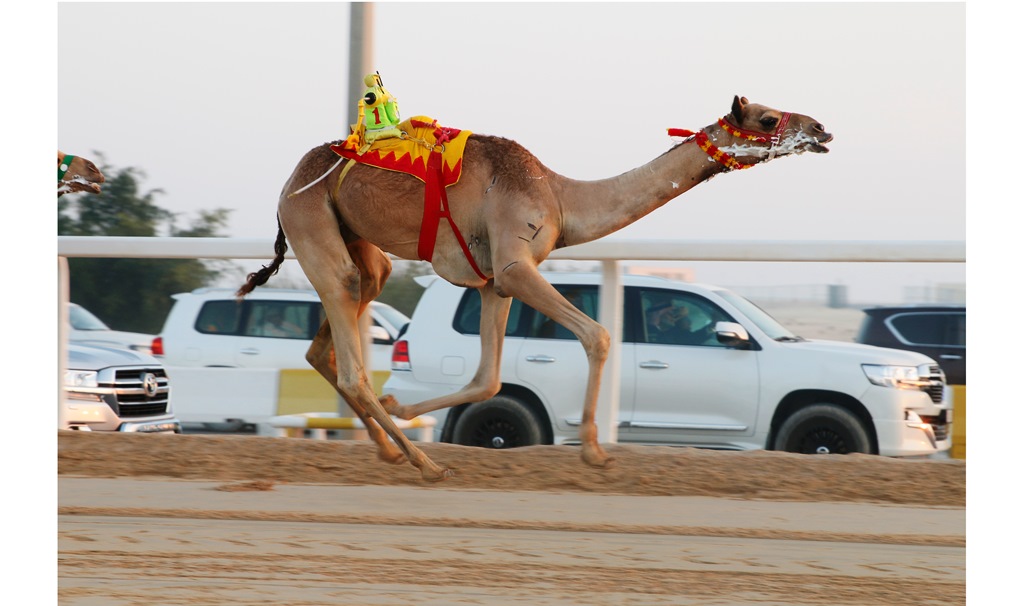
x,y
320,423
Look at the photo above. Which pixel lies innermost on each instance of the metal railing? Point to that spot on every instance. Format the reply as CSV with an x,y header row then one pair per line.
x,y
607,251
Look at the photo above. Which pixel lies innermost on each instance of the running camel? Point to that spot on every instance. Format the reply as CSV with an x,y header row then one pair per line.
x,y
513,211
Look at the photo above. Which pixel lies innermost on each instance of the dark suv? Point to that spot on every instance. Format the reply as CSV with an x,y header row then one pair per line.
x,y
937,331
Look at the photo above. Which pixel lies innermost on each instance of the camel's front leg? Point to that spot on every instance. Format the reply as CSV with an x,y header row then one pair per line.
x,y
524,282
487,380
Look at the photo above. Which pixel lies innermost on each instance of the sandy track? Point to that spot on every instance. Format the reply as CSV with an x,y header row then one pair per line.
x,y
251,520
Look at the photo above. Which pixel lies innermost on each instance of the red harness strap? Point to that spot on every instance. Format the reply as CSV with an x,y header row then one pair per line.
x,y
435,207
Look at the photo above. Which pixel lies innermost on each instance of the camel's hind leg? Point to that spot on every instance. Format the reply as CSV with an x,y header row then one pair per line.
x,y
312,228
374,269
321,357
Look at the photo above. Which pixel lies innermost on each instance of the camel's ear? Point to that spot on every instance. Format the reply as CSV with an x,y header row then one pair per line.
x,y
737,108
60,155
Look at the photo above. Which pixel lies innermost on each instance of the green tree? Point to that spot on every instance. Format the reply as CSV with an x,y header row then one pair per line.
x,y
401,291
132,294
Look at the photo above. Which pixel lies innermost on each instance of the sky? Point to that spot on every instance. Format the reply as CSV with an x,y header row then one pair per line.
x,y
216,103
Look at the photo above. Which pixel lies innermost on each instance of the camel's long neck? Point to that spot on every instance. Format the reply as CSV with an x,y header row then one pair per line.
x,y
592,209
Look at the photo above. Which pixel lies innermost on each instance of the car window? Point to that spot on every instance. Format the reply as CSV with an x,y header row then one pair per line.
x,y
678,318
219,317
279,319
930,328
391,315
82,319
585,298
467,316
758,316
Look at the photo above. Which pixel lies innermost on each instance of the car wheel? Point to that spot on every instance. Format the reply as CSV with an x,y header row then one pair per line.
x,y
501,422
823,429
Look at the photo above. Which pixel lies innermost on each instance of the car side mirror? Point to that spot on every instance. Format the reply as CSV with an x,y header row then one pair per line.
x,y
732,334
380,336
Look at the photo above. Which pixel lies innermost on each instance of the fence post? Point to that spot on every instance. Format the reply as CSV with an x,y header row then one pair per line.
x,y
63,288
610,316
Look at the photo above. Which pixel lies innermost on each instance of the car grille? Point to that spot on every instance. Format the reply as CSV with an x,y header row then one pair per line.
x,y
132,399
939,426
936,383
935,389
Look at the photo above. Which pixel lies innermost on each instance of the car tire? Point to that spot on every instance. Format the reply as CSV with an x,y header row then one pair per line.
x,y
501,422
823,429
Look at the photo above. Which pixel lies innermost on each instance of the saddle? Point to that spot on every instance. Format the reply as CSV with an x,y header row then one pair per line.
x,y
432,154
410,153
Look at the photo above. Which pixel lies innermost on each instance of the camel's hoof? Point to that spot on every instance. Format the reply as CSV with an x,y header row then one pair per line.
x,y
393,408
598,459
436,475
395,457
389,403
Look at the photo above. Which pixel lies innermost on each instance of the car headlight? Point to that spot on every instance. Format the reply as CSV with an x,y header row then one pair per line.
x,y
900,377
80,378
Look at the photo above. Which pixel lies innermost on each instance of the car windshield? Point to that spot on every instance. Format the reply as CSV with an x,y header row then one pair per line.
x,y
769,325
82,319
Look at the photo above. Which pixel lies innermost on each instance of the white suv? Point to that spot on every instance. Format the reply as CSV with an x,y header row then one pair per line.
x,y
241,363
726,376
269,328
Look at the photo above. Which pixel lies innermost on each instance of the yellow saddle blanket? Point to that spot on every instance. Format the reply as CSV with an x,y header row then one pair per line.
x,y
410,153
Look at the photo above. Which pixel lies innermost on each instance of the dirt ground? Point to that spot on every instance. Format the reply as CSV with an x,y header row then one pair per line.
x,y
638,470
239,519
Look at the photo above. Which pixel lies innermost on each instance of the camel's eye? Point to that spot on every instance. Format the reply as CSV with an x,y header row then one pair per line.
x,y
769,122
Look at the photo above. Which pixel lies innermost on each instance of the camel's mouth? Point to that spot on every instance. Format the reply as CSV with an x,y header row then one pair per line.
x,y
80,184
817,146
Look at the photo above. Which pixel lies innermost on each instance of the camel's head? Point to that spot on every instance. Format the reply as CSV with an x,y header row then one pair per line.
x,y
76,174
766,133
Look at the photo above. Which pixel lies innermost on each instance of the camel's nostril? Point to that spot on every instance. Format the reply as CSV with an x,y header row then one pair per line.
x,y
818,127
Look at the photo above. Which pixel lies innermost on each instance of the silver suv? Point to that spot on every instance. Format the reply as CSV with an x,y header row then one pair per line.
x,y
110,389
87,329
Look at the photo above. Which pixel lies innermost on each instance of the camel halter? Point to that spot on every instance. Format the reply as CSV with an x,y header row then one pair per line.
x,y
725,159
64,167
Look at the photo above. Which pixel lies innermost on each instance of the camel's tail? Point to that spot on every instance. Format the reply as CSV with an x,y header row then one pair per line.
x,y
259,278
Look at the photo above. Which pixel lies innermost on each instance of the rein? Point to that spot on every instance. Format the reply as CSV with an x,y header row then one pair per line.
x,y
726,159
64,167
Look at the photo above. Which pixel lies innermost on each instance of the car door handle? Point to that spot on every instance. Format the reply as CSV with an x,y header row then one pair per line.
x,y
249,351
951,357
541,359
654,364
